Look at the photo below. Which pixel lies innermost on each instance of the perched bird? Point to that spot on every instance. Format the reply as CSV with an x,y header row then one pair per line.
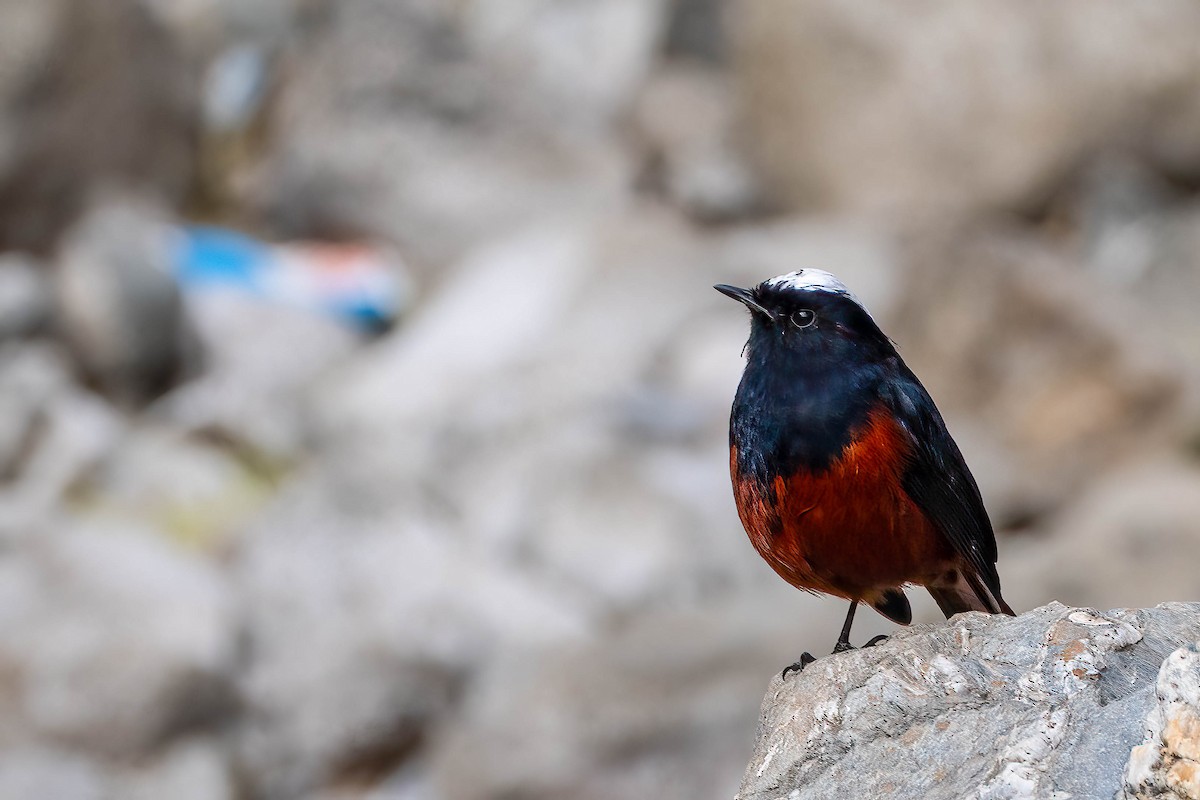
x,y
844,474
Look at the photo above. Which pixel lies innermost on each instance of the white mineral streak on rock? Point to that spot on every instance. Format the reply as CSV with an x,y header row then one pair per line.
x,y
1086,616
1023,760
827,711
948,674
767,760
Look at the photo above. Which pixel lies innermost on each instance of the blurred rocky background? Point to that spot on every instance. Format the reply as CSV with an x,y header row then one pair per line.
x,y
363,393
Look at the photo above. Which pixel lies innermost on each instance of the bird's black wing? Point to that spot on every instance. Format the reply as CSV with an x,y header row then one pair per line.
x,y
938,480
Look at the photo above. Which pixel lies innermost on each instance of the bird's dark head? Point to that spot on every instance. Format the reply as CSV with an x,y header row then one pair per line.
x,y
809,315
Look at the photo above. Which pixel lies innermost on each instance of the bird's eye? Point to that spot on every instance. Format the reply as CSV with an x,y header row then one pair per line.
x,y
804,318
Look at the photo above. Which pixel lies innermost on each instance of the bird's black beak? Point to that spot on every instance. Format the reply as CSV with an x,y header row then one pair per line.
x,y
744,296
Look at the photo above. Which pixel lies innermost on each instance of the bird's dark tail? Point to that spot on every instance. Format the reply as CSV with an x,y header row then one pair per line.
x,y
894,605
968,593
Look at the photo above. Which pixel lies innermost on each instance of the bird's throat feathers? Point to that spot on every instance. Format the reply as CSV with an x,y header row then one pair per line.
x,y
800,410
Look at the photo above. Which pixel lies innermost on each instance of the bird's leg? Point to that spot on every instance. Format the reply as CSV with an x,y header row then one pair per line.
x,y
843,642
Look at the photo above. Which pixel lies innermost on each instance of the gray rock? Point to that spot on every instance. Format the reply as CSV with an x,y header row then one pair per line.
x,y
191,490
1022,345
1167,763
119,305
661,707
29,377
51,433
1135,241
190,770
27,37
205,26
117,643
27,772
697,31
685,120
1045,705
1131,538
262,362
360,630
442,125
577,63
952,108
195,769
26,298
90,95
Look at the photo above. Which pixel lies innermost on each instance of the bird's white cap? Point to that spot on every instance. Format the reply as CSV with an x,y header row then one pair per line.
x,y
807,280
814,280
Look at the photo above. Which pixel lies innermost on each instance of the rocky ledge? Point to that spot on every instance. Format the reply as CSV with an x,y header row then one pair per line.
x,y
1056,703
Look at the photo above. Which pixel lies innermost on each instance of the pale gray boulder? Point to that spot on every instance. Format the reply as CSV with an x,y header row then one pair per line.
x,y
1045,705
115,645
1167,763
946,108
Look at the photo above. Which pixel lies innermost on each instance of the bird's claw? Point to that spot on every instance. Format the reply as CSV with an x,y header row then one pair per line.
x,y
842,647
805,660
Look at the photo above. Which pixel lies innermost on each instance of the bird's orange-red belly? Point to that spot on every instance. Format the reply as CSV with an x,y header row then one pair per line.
x,y
849,530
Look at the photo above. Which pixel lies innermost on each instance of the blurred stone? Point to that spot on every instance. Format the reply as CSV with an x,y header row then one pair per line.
x,y
261,363
29,378
51,433
28,772
660,708
685,117
115,642
697,31
578,62
234,88
443,124
119,304
1116,209
25,297
195,492
361,631
1047,704
206,26
190,770
953,108
27,36
1007,333
1141,240
1167,763
1131,537
91,94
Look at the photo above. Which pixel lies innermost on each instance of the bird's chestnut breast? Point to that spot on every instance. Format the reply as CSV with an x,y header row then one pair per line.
x,y
844,528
